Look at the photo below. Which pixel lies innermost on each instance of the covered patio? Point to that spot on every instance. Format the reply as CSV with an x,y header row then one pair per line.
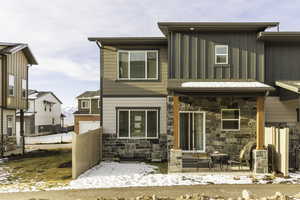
x,y
216,125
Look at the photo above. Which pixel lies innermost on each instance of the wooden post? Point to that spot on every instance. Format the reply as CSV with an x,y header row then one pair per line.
x,y
260,122
22,130
176,122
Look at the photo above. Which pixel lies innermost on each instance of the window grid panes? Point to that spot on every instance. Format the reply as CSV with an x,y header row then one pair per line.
x,y
138,123
221,54
138,65
230,119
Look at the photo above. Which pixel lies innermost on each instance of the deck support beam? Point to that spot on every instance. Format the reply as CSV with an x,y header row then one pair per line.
x,y
175,122
260,122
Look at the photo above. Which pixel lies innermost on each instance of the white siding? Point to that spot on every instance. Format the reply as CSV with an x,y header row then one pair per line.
x,y
281,111
110,104
43,117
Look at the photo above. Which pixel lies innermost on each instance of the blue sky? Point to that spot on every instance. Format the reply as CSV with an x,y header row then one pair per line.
x,y
57,30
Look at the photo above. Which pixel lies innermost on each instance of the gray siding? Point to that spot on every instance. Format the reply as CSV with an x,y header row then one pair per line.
x,y
192,56
17,66
281,111
112,86
94,107
282,61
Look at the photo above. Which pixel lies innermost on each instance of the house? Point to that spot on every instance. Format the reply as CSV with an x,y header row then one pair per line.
x,y
15,60
203,87
44,115
87,116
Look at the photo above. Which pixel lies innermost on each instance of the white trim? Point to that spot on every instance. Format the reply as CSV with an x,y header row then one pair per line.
x,y
146,64
218,54
204,131
239,120
145,126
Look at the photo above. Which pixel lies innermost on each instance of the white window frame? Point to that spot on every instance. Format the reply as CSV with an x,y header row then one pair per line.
x,y
129,131
218,54
12,125
24,81
239,120
204,131
14,84
146,65
87,103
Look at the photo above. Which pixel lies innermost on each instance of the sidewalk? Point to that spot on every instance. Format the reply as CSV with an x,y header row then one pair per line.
x,y
173,191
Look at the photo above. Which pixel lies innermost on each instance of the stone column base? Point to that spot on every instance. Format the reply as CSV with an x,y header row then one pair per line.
x,y
260,158
175,161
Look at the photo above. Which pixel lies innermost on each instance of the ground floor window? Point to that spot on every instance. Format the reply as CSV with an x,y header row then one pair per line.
x,y
138,123
192,131
10,122
230,119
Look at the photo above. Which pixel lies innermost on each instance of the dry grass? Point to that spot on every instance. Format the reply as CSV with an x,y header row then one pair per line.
x,y
41,166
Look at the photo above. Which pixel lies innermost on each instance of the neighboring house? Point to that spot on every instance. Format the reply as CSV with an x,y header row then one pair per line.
x,y
44,115
88,115
203,87
15,60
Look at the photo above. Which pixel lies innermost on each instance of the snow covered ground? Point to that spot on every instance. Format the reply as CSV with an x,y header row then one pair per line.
x,y
135,174
50,139
114,174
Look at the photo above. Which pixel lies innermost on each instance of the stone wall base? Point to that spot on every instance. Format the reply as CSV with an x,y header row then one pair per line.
x,y
260,158
175,162
154,150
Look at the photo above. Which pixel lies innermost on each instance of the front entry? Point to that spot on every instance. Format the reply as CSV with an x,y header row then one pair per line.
x,y
192,131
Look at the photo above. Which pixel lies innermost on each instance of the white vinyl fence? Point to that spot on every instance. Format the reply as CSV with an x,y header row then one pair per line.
x,y
279,138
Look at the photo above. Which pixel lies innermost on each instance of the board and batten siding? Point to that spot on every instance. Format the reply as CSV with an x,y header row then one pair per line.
x,y
192,56
110,116
17,65
112,86
282,61
281,111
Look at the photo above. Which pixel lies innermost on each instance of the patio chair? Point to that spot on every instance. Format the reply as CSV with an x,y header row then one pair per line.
x,y
245,157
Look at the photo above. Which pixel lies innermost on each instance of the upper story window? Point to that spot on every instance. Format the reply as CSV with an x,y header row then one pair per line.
x,y
138,65
85,104
24,88
230,119
221,54
11,85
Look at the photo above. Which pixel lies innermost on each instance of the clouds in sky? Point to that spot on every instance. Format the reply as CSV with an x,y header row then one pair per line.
x,y
57,30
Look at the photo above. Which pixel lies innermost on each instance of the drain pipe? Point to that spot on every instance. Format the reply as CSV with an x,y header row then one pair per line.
x,y
101,83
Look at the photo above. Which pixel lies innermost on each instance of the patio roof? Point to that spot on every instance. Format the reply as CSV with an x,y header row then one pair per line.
x,y
293,86
219,86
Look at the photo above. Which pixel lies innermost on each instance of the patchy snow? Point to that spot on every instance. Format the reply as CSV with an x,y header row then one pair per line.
x,y
136,174
114,174
231,84
50,139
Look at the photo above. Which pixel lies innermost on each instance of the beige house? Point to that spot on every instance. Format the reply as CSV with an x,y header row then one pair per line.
x,y
15,60
87,117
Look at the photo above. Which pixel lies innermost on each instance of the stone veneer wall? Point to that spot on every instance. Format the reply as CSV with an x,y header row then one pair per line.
x,y
134,149
230,142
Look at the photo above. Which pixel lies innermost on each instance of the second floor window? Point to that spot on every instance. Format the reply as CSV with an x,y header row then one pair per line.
x,y
24,88
84,104
138,65
11,85
221,54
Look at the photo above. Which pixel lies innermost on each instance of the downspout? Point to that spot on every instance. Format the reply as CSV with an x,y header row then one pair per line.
x,y
3,96
101,84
